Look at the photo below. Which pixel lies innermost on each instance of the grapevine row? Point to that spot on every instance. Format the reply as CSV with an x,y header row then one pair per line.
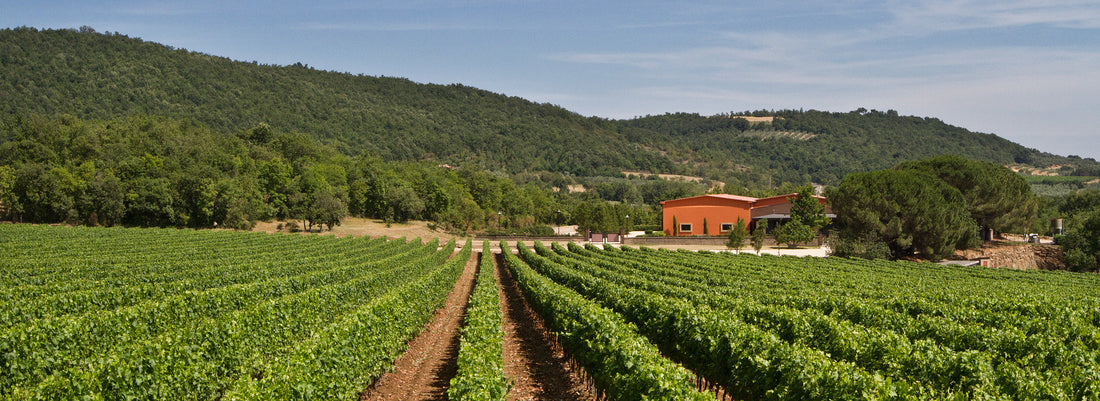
x,y
340,361
971,357
480,366
622,362
746,361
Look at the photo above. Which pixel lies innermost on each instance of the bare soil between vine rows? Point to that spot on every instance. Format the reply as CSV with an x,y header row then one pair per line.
x,y
425,370
538,368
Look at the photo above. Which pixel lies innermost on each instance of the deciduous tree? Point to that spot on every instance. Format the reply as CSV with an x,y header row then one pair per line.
x,y
793,233
737,235
329,209
759,235
1082,243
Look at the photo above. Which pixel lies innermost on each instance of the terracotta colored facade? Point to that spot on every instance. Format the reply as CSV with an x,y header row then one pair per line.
x,y
720,212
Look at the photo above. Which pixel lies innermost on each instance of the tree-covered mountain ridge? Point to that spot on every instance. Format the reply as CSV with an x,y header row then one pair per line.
x,y
100,76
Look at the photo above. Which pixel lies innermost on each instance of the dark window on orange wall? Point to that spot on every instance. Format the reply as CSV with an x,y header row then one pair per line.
x,y
685,227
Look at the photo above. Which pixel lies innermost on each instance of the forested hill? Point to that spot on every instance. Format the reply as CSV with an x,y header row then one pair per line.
x,y
801,146
102,76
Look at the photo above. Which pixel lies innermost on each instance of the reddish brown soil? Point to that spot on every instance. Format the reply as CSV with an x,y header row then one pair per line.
x,y
539,369
426,369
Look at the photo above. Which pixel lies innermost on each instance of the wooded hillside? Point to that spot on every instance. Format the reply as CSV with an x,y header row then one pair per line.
x,y
103,76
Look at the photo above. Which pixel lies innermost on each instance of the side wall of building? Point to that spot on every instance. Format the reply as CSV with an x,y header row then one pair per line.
x,y
694,211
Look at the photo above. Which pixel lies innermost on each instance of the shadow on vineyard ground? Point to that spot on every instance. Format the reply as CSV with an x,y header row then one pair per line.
x,y
537,367
425,370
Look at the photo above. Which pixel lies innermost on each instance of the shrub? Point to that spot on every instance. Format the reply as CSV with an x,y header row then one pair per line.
x,y
866,247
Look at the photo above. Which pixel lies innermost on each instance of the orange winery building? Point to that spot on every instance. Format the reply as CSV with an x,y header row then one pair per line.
x,y
716,214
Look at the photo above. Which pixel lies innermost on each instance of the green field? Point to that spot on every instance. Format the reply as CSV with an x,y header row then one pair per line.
x,y
111,313
810,328
119,313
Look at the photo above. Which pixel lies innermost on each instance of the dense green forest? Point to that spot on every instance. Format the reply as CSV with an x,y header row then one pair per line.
x,y
93,75
836,144
101,76
158,171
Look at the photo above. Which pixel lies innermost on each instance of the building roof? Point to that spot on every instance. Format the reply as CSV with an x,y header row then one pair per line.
x,y
734,197
760,207
720,196
739,197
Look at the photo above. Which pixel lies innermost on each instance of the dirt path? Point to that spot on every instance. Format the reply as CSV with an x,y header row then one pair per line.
x,y
425,370
539,369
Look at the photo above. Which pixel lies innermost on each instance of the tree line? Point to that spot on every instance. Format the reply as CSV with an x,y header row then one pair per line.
x,y
155,171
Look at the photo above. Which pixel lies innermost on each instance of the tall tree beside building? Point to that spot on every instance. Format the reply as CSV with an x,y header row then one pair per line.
x,y
807,210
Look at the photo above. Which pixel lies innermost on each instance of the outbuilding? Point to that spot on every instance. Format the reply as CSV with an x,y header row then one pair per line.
x,y
716,214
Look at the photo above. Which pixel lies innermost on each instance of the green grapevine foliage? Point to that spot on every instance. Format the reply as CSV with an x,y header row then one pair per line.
x,y
810,328
480,365
111,313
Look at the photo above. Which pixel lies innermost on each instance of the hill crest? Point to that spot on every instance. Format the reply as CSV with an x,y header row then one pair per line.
x,y
101,76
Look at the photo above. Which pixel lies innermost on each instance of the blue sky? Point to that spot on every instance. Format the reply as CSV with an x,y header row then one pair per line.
x,y
1028,71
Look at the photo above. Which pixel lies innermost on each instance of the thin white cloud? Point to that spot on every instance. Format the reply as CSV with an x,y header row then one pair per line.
x,y
862,57
941,15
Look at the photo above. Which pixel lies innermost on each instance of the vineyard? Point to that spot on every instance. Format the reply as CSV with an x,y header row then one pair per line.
x,y
112,313
101,313
791,328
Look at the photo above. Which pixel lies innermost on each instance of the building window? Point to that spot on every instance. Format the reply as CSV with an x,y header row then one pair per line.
x,y
685,227
727,227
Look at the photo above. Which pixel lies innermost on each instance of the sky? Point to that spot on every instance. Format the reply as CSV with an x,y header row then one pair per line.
x,y
1028,71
